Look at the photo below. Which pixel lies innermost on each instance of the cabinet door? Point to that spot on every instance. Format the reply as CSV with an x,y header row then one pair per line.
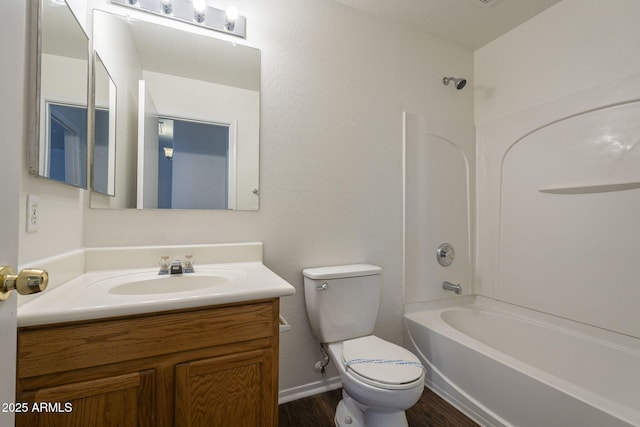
x,y
124,400
234,390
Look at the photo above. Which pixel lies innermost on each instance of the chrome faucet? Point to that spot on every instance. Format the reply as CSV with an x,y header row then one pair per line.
x,y
176,267
448,286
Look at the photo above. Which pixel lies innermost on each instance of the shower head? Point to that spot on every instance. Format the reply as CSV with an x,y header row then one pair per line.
x,y
458,83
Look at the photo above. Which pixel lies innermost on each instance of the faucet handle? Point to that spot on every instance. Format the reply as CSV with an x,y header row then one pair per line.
x,y
188,264
164,265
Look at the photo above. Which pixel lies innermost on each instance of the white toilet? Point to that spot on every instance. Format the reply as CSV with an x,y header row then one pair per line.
x,y
380,380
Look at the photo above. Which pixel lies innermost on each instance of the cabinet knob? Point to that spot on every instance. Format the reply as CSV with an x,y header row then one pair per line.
x,y
28,281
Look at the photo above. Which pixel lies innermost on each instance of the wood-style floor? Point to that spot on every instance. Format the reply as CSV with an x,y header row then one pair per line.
x,y
318,411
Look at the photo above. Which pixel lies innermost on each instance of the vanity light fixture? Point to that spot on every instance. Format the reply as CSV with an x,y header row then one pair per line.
x,y
195,12
168,152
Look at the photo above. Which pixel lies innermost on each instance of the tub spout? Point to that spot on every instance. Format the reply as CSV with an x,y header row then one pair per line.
x,y
448,286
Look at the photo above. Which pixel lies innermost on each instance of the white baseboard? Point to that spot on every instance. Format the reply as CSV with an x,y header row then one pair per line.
x,y
310,389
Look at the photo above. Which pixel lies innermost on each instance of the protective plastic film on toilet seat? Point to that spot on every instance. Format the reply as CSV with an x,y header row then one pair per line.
x,y
381,363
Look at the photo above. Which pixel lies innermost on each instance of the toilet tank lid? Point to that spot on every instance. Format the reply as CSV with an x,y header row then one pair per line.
x,y
341,271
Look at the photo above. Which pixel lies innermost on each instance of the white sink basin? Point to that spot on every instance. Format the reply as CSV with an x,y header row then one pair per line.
x,y
149,283
167,285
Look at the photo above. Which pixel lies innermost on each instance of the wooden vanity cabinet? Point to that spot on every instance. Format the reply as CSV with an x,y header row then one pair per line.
x,y
210,366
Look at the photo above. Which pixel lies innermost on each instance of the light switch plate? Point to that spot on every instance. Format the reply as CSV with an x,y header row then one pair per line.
x,y
33,213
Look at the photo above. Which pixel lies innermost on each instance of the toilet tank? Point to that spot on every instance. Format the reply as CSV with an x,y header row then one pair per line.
x,y
342,301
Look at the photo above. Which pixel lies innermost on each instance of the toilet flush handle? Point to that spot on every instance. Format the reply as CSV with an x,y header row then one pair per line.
x,y
323,287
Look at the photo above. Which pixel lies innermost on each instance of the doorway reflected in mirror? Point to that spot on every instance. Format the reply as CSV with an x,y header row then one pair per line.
x,y
65,144
193,164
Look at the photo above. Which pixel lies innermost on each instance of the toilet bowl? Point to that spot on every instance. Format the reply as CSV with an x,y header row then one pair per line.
x,y
380,379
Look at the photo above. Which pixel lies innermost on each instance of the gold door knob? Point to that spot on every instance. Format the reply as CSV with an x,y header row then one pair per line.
x,y
28,281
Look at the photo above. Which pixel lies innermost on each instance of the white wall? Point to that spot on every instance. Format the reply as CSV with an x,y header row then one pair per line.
x,y
570,59
64,79
148,149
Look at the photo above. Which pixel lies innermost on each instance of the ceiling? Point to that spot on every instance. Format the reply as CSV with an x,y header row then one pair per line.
x,y
469,23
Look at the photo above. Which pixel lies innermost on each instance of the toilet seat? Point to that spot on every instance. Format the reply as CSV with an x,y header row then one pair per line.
x,y
380,363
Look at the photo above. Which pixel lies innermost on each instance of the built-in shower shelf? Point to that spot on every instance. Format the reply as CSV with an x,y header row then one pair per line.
x,y
589,189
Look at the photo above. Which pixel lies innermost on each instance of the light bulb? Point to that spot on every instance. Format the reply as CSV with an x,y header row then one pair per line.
x,y
232,14
167,6
199,8
231,17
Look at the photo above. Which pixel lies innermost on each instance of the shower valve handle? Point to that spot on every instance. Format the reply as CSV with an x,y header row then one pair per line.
x,y
445,254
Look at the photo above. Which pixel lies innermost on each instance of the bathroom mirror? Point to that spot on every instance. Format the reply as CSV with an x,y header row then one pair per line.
x,y
187,112
104,132
57,148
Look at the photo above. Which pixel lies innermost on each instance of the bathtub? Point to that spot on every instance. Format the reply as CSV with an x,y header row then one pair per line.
x,y
503,365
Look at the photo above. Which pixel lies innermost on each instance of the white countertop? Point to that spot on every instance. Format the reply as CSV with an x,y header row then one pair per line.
x,y
87,296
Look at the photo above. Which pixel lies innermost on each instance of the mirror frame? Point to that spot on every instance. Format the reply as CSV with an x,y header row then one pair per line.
x,y
34,91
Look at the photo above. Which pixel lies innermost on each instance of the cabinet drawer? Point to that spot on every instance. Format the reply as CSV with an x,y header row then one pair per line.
x,y
60,348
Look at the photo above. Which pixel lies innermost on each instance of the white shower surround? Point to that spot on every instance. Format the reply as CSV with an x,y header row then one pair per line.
x,y
570,255
548,177
513,99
